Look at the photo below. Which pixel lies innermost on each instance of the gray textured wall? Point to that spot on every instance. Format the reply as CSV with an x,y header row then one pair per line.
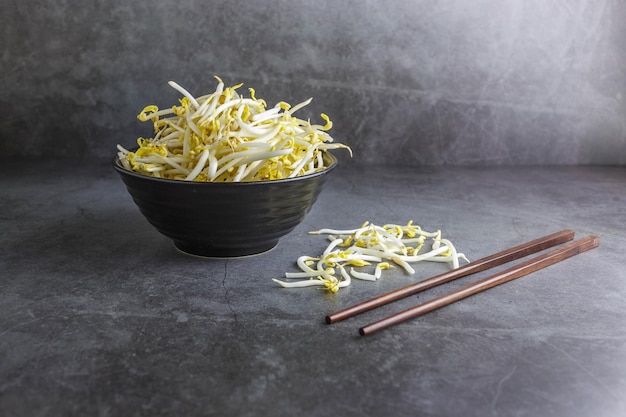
x,y
422,82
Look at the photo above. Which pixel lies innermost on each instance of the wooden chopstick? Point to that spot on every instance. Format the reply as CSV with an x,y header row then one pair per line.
x,y
525,268
483,264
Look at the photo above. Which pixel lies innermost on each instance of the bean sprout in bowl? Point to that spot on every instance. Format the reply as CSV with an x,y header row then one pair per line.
x,y
225,219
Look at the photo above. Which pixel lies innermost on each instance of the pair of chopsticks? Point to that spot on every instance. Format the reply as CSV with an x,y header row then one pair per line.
x,y
500,258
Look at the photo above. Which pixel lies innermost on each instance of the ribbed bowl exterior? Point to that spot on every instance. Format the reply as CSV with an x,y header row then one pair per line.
x,y
224,219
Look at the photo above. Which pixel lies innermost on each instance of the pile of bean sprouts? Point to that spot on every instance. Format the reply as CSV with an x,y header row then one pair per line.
x,y
370,246
224,136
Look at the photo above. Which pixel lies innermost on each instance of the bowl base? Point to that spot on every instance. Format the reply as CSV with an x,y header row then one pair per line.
x,y
209,251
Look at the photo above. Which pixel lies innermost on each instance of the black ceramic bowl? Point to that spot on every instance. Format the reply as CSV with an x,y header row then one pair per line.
x,y
225,219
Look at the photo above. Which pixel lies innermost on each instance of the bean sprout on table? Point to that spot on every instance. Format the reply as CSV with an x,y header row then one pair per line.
x,y
386,246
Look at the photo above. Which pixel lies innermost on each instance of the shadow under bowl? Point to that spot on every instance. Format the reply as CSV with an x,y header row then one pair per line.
x,y
226,219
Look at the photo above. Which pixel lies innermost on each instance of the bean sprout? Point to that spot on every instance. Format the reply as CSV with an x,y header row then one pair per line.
x,y
225,137
386,246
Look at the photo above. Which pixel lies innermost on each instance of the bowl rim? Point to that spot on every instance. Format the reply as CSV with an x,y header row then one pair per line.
x,y
326,154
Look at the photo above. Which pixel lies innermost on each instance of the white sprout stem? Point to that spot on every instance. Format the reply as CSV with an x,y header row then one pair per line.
x,y
252,169
300,105
269,134
186,144
453,253
419,240
362,275
308,274
171,135
366,276
323,276
253,144
389,236
212,167
332,246
253,130
347,256
256,153
225,168
428,255
232,103
210,102
374,252
158,158
447,259
333,232
378,271
270,114
302,262
170,161
160,113
192,125
361,257
267,155
154,168
303,161
184,92
204,156
437,239
346,277
299,284
240,172
408,268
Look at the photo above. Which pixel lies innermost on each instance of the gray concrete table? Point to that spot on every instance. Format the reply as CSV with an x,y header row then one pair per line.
x,y
101,316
